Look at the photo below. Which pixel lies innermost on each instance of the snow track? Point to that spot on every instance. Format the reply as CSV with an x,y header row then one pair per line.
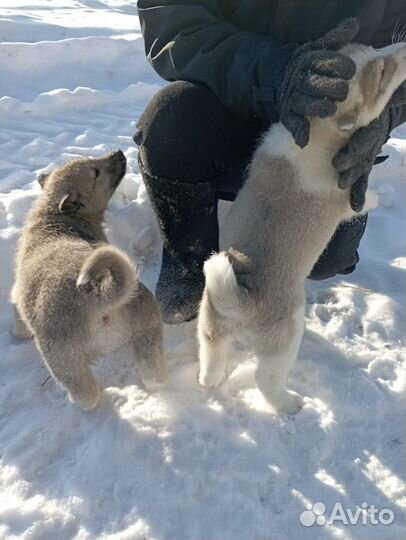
x,y
182,463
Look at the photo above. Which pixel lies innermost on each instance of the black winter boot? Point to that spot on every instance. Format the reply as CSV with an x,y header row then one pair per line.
x,y
187,215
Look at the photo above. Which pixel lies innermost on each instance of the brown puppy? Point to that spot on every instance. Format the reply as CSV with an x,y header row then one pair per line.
x,y
78,296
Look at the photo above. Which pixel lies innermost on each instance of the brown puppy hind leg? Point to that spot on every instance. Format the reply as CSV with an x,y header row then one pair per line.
x,y
71,369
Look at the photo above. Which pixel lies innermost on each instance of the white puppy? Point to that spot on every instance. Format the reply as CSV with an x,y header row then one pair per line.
x,y
279,225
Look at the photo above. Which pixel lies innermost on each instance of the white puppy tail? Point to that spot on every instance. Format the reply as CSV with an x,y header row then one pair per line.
x,y
109,276
227,296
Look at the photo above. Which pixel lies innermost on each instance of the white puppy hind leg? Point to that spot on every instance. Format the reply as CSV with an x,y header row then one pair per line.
x,y
274,367
214,345
213,355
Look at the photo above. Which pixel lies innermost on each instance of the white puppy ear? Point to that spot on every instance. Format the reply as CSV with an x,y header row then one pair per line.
x,y
387,74
347,121
377,78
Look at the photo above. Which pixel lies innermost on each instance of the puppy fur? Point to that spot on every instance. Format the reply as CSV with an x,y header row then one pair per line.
x,y
281,221
78,296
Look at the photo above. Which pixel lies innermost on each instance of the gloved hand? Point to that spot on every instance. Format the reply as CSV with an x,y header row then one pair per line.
x,y
355,160
315,78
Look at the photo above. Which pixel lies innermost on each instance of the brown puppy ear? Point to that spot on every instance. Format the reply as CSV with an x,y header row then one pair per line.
x,y
42,178
69,203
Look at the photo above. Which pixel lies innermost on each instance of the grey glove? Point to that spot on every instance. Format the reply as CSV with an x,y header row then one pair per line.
x,y
315,78
355,160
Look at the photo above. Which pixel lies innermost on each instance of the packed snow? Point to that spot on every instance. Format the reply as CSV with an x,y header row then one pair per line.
x,y
182,462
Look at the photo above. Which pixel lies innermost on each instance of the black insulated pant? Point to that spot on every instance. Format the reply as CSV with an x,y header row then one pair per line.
x,y
187,136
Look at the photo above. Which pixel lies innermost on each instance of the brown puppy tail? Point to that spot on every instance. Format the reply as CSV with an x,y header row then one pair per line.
x,y
109,276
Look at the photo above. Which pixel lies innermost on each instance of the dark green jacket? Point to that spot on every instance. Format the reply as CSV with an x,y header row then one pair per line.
x,y
239,48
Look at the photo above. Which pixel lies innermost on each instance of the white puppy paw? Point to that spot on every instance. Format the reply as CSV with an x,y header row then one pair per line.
x,y
288,402
371,201
211,379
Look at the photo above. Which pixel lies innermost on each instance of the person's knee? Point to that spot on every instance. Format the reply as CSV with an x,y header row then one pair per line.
x,y
329,267
176,132
341,255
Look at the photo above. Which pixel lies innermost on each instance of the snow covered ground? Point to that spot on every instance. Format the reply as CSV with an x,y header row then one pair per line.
x,y
184,463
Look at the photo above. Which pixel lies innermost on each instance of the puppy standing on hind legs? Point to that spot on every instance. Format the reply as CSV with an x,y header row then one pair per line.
x,y
228,310
78,296
282,219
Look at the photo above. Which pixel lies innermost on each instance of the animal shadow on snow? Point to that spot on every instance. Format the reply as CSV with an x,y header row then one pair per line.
x,y
200,445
